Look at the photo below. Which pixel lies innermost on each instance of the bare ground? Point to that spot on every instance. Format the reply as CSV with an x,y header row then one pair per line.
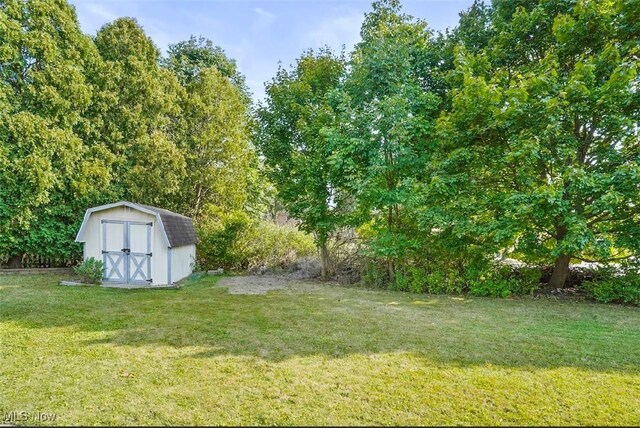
x,y
256,284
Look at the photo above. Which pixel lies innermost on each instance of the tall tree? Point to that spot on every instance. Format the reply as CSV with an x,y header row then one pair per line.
x,y
44,94
295,150
189,57
214,131
215,138
387,111
541,149
139,113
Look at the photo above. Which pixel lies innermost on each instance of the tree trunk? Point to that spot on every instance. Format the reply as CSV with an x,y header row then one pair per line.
x,y
196,209
324,260
560,271
391,269
15,261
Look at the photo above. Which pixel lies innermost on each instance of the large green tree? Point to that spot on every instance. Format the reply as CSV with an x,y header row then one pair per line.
x,y
187,58
214,131
387,110
46,172
215,139
295,150
541,151
138,115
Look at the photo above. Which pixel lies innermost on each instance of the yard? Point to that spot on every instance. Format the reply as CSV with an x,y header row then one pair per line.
x,y
311,354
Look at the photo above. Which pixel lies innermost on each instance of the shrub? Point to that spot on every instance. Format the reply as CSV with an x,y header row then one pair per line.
x,y
498,280
410,279
90,271
374,274
265,245
615,284
216,239
438,281
235,242
480,278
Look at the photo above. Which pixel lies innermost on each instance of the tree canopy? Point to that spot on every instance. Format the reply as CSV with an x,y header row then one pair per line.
x,y
85,121
540,148
295,150
514,134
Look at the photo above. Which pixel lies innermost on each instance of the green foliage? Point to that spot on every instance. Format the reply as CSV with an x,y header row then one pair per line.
x,y
137,111
90,271
515,133
214,139
45,169
187,59
236,242
216,240
504,281
540,149
265,245
295,150
444,277
615,284
380,142
88,121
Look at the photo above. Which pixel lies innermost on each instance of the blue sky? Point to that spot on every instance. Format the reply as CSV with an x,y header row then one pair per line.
x,y
257,34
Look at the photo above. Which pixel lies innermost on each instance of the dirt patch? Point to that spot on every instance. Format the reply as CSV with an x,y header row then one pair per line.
x,y
254,284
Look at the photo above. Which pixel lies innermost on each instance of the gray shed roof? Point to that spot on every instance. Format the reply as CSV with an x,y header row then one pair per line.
x,y
178,230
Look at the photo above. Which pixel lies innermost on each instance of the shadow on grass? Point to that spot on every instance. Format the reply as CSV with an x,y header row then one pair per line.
x,y
334,322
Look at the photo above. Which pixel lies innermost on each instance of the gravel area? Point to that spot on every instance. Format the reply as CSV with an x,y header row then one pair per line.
x,y
254,284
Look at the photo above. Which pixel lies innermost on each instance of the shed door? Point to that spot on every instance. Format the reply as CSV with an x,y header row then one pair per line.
x,y
113,250
126,251
139,254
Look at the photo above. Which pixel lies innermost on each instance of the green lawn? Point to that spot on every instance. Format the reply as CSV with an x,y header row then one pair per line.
x,y
313,354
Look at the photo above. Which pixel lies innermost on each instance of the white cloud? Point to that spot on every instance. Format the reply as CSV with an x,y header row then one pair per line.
x,y
100,11
336,31
263,20
92,16
263,12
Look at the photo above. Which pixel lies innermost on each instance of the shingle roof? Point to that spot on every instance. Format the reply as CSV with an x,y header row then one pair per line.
x,y
179,229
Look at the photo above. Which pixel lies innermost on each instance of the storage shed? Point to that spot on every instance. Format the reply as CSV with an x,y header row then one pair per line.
x,y
139,244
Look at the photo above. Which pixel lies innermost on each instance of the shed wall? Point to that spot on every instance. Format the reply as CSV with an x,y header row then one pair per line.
x,y
92,236
182,259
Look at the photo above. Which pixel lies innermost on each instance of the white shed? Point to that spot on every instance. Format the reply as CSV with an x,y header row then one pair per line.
x,y
139,244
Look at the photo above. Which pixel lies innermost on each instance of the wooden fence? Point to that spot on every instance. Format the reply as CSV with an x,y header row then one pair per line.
x,y
31,261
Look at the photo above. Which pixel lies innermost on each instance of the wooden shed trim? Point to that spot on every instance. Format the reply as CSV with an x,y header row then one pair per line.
x,y
87,215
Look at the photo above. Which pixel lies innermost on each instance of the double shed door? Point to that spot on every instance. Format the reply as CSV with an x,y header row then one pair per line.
x,y
126,251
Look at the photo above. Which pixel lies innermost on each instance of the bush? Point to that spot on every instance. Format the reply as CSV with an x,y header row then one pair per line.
x,y
265,245
216,240
90,271
481,278
419,280
237,243
498,280
615,284
374,274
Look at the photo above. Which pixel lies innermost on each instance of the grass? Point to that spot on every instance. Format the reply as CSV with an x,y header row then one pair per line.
x,y
314,354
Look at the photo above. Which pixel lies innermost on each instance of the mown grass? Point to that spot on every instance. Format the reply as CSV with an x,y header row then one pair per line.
x,y
314,354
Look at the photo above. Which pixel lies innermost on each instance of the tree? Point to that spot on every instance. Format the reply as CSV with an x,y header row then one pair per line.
x,y
215,139
296,152
541,149
386,117
214,131
188,58
138,115
44,94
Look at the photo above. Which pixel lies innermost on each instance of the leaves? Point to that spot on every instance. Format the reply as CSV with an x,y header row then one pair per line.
x,y
292,140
